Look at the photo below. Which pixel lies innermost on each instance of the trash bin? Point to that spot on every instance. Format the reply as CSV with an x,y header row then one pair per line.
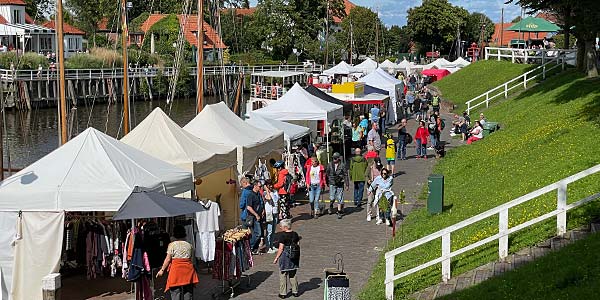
x,y
489,127
435,199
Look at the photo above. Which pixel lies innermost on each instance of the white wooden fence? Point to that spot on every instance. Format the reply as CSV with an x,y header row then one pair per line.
x,y
503,230
521,80
516,55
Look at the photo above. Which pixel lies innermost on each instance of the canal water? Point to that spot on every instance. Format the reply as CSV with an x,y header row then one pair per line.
x,y
33,134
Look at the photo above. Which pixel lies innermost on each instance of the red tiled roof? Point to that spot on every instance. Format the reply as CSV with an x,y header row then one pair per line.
x,y
239,11
190,26
506,36
67,29
548,16
12,2
3,20
103,24
28,19
348,7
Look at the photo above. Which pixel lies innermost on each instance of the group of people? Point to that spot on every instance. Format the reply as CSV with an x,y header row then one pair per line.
x,y
462,126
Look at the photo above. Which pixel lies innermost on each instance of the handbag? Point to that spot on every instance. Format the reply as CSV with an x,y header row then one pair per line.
x,y
249,221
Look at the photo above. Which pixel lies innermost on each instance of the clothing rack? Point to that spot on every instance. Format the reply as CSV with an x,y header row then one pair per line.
x,y
231,284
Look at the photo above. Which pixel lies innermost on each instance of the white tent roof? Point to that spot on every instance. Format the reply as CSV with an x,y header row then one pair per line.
x,y
387,64
298,104
291,132
162,138
438,63
461,62
381,79
218,124
92,172
404,64
367,66
342,68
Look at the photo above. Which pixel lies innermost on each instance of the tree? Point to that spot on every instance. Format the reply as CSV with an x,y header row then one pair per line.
x,y
517,19
88,14
584,17
397,39
363,28
475,21
435,22
37,9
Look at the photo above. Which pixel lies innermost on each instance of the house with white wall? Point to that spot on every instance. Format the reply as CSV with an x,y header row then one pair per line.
x,y
72,36
18,32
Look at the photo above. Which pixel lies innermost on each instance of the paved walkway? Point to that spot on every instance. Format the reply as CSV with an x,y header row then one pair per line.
x,y
360,242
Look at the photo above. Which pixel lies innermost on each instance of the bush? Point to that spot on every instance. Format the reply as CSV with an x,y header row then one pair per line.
x,y
28,61
142,58
166,33
255,57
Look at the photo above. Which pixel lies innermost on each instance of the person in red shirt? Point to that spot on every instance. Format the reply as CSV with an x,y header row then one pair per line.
x,y
280,186
421,140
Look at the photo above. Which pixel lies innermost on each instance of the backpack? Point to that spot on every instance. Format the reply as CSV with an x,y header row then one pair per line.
x,y
409,138
294,251
442,124
288,183
435,101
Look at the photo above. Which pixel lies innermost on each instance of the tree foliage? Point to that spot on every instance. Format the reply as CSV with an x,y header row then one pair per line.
x,y
363,24
37,9
473,27
88,14
166,33
581,15
436,22
397,39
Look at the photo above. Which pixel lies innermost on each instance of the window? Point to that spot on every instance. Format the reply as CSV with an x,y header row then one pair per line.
x,y
73,44
16,16
45,44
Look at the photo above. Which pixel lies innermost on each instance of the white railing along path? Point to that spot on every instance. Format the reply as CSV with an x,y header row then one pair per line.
x,y
523,79
503,230
525,55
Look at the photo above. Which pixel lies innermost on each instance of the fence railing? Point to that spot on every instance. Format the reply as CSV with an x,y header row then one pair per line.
x,y
503,230
521,80
516,55
140,72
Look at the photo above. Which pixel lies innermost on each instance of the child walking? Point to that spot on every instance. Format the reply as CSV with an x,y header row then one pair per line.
x,y
390,154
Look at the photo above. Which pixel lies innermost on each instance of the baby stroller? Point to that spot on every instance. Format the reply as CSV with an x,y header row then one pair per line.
x,y
337,283
440,149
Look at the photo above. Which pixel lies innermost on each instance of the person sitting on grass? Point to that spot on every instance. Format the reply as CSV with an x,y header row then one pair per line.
x,y
476,133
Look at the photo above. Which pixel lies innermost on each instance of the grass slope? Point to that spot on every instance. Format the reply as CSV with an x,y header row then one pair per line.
x,y
477,78
548,133
570,273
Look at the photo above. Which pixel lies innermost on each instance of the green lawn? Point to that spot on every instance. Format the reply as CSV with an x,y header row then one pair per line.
x,y
548,133
477,78
570,273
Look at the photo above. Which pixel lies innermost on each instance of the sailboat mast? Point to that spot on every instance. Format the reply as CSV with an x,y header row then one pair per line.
x,y
200,59
60,55
327,37
1,134
124,37
351,42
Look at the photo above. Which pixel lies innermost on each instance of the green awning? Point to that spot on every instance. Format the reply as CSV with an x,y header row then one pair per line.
x,y
517,42
531,24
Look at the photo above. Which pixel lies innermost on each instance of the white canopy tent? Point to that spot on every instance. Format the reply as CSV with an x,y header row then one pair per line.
x,y
92,172
439,63
341,69
405,66
388,66
367,66
461,62
383,80
291,132
298,104
162,138
218,124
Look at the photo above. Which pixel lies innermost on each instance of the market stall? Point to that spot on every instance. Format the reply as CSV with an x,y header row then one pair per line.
x,y
368,66
382,80
291,132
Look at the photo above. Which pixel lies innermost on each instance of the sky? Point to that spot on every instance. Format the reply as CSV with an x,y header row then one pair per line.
x,y
393,12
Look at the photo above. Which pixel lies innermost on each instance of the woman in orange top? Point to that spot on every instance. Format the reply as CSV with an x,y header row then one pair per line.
x,y
182,275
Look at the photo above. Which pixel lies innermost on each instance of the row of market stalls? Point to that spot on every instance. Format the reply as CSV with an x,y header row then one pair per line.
x,y
95,174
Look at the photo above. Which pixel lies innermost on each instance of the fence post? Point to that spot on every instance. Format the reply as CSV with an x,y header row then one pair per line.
x,y
506,90
512,54
468,107
446,272
389,274
499,58
561,203
526,56
544,72
563,61
487,52
487,99
543,56
525,80
503,227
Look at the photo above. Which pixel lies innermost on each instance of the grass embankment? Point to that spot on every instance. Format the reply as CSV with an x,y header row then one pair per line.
x,y
476,79
548,133
570,273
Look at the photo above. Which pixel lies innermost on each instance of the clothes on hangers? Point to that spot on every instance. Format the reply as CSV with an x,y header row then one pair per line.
x,y
233,255
208,222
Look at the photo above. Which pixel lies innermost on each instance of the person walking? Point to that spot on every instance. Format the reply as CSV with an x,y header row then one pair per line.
x,y
271,215
358,169
179,263
281,186
315,181
337,179
374,136
383,195
390,154
246,189
357,135
402,139
432,128
255,208
288,258
421,140
373,172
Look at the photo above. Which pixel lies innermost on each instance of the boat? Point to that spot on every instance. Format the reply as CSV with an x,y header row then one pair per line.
x,y
267,87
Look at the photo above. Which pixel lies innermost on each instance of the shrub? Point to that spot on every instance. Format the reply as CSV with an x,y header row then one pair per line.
x,y
28,61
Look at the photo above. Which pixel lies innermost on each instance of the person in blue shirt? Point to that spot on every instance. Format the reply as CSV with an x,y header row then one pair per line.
x,y
382,186
375,114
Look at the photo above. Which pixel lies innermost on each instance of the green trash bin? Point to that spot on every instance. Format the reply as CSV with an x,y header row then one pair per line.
x,y
435,199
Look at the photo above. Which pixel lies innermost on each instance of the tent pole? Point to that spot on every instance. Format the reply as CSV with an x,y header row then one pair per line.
x,y
327,139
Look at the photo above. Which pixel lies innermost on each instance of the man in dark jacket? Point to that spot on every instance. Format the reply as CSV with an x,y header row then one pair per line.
x,y
358,168
337,178
255,208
